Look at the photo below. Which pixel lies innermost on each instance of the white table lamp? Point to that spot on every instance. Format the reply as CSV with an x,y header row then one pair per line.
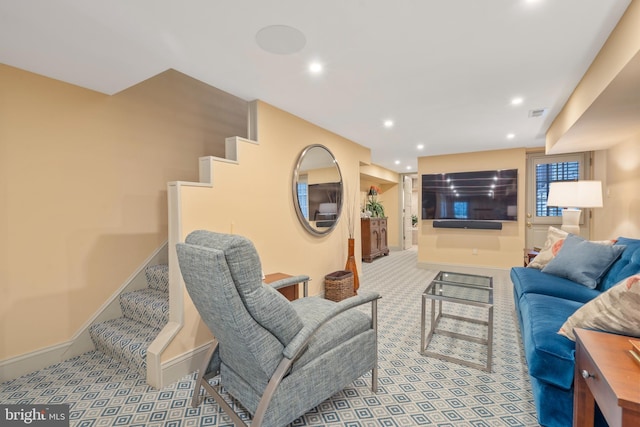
x,y
572,195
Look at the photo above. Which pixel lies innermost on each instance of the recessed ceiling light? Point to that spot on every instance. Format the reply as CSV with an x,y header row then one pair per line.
x,y
397,162
511,135
517,101
388,123
420,146
408,168
315,67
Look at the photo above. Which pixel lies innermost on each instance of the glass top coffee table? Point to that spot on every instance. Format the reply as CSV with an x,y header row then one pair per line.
x,y
458,288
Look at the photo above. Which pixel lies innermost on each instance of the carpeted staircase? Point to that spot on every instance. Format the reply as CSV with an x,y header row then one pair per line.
x,y
145,312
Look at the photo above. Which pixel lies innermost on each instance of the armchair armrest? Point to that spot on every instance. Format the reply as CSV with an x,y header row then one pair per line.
x,y
291,281
299,342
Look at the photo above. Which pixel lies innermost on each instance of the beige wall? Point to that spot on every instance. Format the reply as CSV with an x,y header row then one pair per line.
x,y
601,115
83,191
619,49
619,170
254,198
495,248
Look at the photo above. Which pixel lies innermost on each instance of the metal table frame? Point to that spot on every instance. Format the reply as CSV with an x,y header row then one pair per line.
x,y
466,281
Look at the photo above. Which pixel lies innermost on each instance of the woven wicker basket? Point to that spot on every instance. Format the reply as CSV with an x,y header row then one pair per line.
x,y
338,285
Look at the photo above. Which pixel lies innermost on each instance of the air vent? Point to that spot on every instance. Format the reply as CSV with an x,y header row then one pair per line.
x,y
538,112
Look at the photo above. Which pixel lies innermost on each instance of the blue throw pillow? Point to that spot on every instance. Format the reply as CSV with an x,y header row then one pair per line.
x,y
582,261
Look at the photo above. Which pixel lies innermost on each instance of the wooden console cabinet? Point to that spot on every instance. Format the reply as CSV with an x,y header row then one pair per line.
x,y
374,238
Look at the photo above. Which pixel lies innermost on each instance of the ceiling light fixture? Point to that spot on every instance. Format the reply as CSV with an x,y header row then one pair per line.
x,y
315,67
388,123
517,101
420,146
408,168
511,135
397,162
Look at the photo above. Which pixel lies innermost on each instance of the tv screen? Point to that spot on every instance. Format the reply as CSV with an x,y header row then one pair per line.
x,y
481,195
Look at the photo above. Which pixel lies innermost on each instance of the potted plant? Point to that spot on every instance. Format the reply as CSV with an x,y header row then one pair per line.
x,y
373,205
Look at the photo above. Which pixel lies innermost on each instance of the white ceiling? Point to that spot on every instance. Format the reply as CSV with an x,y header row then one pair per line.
x,y
444,71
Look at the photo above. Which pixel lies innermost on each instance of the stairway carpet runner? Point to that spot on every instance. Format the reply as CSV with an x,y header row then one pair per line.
x,y
158,277
145,312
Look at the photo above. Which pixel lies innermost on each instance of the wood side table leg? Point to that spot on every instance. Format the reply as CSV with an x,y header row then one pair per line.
x,y
583,402
630,418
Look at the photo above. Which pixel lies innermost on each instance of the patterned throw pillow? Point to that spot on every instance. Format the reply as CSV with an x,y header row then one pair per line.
x,y
555,239
615,310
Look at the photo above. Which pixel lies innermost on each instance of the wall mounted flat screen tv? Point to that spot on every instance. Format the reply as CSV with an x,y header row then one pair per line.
x,y
490,195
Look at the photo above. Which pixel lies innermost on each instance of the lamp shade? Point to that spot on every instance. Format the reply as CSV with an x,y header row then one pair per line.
x,y
575,194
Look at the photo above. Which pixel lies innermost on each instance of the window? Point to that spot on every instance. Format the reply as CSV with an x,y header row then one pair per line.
x,y
461,210
546,173
303,196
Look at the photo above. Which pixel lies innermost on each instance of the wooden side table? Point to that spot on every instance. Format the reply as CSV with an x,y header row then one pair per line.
x,y
606,374
290,292
529,254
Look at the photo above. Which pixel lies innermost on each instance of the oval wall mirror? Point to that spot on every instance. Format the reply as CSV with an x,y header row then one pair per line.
x,y
317,190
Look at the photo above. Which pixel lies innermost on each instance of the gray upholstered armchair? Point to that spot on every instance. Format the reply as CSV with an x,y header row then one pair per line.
x,y
279,359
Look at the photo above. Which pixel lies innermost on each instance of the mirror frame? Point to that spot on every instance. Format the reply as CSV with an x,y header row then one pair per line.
x,y
294,185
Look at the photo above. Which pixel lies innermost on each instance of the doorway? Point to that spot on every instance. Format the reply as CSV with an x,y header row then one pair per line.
x,y
409,209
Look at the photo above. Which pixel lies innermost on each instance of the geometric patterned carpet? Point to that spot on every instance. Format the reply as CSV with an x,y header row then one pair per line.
x,y
413,390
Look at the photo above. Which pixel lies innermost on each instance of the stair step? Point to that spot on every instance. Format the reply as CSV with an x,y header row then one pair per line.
x,y
146,312
149,306
126,340
158,277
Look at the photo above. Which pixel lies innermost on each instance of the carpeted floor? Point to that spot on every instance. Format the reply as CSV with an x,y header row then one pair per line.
x,y
413,390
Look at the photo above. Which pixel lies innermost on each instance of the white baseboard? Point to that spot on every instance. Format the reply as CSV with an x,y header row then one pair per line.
x,y
171,370
29,362
183,365
80,342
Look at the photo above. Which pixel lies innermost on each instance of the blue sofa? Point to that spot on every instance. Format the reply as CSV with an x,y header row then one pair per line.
x,y
543,302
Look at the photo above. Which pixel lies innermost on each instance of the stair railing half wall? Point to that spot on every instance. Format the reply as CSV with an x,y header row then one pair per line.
x,y
159,373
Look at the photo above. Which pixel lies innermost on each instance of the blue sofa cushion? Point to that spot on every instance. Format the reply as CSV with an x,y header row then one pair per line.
x,y
627,265
583,261
531,280
550,356
553,405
